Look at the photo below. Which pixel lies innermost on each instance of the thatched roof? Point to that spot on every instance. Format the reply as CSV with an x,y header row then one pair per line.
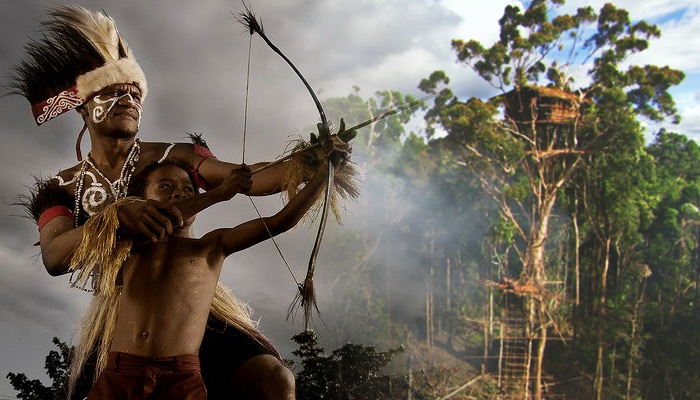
x,y
543,104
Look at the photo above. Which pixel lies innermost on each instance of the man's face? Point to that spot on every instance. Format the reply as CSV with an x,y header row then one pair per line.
x,y
114,111
168,184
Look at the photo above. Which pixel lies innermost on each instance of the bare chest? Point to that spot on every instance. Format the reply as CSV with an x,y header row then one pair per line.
x,y
175,269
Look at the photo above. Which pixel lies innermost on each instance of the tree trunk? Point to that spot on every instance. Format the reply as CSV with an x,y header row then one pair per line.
x,y
577,254
696,261
388,303
540,352
528,358
448,285
428,320
598,383
536,277
634,347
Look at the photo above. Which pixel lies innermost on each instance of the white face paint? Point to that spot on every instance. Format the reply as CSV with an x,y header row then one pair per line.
x,y
105,103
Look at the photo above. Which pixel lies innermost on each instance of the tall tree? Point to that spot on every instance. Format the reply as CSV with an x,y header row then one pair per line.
x,y
672,250
617,197
524,161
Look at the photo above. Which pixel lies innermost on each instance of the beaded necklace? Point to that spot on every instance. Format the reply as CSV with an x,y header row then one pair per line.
x,y
118,187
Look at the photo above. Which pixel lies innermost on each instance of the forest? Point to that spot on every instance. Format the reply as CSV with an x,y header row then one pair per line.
x,y
532,245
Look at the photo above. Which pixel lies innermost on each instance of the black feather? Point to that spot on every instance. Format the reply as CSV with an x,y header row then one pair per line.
x,y
197,139
249,20
53,62
45,193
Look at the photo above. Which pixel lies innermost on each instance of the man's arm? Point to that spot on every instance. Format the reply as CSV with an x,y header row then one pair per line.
x,y
252,232
51,207
58,237
149,220
58,240
268,181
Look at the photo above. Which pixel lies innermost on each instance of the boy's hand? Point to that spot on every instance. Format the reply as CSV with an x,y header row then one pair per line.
x,y
150,220
342,149
337,150
239,180
336,146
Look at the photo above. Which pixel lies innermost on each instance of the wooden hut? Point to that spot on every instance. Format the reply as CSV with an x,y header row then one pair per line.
x,y
544,105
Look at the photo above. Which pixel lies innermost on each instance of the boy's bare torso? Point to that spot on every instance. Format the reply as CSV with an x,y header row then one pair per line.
x,y
168,289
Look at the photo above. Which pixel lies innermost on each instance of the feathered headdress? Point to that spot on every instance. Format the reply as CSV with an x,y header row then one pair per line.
x,y
79,53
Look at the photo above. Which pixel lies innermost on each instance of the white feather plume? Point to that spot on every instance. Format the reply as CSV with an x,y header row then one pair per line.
x,y
99,28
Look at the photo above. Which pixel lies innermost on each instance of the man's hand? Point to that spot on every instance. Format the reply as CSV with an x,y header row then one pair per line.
x,y
239,180
151,220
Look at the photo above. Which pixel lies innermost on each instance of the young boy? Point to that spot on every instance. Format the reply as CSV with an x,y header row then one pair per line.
x,y
168,287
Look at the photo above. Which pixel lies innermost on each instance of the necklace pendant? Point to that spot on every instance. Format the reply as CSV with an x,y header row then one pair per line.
x,y
94,198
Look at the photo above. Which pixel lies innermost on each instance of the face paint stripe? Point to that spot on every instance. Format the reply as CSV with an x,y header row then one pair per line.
x,y
99,114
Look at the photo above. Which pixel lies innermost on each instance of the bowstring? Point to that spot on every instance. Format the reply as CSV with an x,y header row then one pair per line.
x,y
245,131
247,88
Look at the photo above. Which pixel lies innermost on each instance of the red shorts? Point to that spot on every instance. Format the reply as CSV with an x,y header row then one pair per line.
x,y
133,377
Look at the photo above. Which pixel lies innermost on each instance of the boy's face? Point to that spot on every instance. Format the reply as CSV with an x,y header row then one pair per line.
x,y
168,184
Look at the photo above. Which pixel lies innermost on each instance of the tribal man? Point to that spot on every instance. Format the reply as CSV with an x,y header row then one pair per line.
x,y
81,62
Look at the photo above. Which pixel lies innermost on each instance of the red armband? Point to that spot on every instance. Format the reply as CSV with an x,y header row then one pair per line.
x,y
198,179
203,151
53,212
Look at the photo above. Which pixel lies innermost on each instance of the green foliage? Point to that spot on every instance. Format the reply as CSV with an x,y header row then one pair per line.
x,y
350,372
386,134
673,253
57,364
526,39
677,156
504,230
476,198
524,166
536,50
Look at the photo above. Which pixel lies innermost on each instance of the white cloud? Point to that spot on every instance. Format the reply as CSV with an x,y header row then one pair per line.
x,y
678,46
478,23
646,9
690,121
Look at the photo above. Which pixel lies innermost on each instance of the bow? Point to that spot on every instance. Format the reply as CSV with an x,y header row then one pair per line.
x,y
306,296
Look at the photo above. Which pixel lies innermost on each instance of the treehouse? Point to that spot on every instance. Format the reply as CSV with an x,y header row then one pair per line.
x,y
543,105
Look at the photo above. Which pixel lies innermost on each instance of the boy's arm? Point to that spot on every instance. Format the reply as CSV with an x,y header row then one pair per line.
x,y
237,181
252,232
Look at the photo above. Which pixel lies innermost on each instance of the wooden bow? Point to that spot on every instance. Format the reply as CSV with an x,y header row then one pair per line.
x,y
306,296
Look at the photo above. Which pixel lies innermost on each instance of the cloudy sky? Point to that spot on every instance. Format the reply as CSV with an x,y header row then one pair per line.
x,y
195,55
